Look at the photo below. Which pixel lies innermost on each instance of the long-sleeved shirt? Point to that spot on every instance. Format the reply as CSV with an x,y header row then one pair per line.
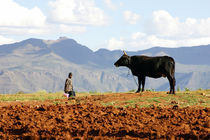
x,y
68,85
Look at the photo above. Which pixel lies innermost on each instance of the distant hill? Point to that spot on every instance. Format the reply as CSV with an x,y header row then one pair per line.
x,y
197,55
36,64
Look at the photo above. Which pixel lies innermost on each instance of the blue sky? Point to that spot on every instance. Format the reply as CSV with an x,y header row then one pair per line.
x,y
112,24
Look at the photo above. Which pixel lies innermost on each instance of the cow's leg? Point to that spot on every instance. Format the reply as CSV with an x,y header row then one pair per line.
x,y
170,71
139,84
143,83
173,86
171,82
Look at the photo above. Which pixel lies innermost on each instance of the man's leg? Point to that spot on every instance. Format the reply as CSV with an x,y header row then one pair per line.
x,y
73,93
69,93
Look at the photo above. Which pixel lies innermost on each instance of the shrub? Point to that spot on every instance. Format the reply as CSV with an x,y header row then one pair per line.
x,y
187,89
20,92
178,88
133,90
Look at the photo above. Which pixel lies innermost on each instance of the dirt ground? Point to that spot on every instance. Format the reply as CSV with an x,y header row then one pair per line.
x,y
87,118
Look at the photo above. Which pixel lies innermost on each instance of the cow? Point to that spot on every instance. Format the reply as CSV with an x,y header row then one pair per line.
x,y
155,67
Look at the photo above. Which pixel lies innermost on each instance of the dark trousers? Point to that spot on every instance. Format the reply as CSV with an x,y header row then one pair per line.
x,y
71,93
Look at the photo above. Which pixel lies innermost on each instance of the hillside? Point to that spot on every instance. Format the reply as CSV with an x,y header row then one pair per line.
x,y
36,64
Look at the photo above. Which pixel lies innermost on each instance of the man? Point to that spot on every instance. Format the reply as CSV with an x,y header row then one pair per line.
x,y
68,89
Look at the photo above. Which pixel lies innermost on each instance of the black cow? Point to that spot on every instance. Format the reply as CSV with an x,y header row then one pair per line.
x,y
155,67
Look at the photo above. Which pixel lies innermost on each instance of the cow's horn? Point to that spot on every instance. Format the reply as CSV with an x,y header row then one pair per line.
x,y
124,53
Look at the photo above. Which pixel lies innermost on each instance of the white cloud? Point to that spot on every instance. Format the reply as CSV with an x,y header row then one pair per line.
x,y
113,44
14,15
4,40
165,25
69,29
141,41
166,31
23,31
18,20
131,17
81,12
110,4
137,35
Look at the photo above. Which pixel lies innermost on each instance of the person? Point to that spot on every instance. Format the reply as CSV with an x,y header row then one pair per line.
x,y
68,89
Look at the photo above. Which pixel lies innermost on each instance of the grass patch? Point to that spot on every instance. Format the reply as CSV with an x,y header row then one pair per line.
x,y
58,102
182,98
38,96
131,101
154,99
109,103
144,105
192,99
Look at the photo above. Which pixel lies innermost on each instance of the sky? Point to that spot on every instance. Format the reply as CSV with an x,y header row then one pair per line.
x,y
112,24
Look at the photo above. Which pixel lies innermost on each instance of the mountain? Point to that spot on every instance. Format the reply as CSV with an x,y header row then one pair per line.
x,y
184,55
36,64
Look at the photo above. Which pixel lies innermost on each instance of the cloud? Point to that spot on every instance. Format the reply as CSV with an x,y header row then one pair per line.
x,y
166,31
70,29
113,44
131,17
4,40
110,4
14,15
165,25
141,41
81,12
18,20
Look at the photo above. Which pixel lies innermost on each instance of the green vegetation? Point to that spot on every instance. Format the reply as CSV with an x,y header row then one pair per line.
x,y
39,96
184,98
150,89
178,88
133,90
187,89
109,104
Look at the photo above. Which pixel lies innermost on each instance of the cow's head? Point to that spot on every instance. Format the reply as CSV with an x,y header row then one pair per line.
x,y
123,61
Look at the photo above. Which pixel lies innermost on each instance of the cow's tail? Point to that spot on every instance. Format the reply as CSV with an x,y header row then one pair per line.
x,y
172,64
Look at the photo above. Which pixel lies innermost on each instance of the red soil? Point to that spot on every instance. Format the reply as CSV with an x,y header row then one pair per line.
x,y
44,120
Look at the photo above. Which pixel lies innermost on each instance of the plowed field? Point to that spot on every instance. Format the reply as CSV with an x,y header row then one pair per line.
x,y
87,118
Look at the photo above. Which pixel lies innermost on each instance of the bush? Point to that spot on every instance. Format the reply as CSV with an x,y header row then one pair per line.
x,y
133,90
152,89
93,92
187,89
20,92
178,88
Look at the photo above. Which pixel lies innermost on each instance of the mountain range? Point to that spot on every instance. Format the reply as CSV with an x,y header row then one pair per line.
x,y
36,64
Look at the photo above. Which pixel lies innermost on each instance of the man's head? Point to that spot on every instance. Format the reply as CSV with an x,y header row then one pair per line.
x,y
70,75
